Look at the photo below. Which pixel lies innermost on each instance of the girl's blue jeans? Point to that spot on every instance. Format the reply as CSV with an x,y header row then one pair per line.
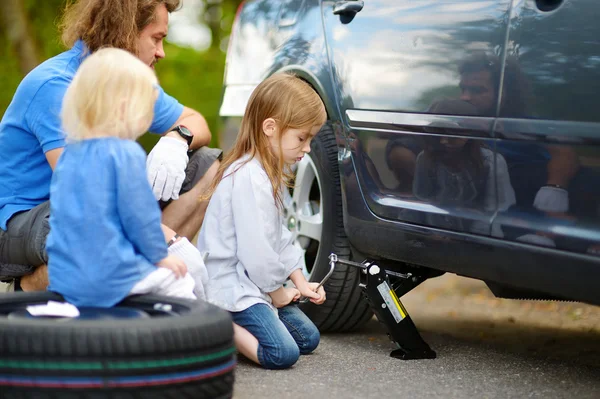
x,y
282,336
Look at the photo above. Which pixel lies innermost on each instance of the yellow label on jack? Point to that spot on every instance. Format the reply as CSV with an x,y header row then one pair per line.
x,y
392,302
398,303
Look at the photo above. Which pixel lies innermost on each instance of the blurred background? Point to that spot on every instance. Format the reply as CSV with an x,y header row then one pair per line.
x,y
192,71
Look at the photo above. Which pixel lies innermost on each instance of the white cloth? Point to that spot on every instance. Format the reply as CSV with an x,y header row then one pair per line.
x,y
195,265
552,199
251,252
163,281
166,165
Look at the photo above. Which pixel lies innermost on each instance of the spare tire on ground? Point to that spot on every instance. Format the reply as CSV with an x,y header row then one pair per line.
x,y
147,346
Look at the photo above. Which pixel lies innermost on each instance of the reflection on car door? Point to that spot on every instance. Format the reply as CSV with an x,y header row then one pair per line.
x,y
549,127
417,114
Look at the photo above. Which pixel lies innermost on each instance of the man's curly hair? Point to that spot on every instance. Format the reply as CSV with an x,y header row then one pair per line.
x,y
109,23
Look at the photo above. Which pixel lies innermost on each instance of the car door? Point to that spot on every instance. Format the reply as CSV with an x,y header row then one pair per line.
x,y
419,134
549,126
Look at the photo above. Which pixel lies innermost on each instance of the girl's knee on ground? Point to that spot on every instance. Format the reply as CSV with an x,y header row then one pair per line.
x,y
278,357
302,329
311,340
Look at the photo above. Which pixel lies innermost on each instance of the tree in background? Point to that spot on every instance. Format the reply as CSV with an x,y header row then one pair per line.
x,y
28,35
218,16
18,33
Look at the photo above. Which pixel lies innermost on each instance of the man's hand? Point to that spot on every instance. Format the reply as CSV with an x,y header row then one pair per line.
x,y
552,199
166,165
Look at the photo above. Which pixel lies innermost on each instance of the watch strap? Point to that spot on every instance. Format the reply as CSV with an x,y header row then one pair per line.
x,y
188,137
173,240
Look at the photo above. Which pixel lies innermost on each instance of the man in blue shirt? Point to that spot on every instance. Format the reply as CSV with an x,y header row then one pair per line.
x,y
31,138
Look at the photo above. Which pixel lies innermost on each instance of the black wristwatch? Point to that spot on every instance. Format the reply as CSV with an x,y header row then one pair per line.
x,y
185,133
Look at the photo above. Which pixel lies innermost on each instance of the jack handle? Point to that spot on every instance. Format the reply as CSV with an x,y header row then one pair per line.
x,y
333,259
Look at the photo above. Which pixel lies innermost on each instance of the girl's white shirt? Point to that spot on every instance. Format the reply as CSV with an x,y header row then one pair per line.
x,y
250,251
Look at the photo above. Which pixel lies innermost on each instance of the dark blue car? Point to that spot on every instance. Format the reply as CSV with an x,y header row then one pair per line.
x,y
463,137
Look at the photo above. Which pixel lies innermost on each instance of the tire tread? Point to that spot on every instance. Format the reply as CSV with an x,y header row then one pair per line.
x,y
345,308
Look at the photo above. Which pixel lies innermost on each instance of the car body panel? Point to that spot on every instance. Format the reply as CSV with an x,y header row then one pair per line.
x,y
549,126
274,36
381,73
390,64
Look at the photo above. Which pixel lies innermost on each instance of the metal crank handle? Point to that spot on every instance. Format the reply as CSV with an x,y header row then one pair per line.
x,y
329,273
333,258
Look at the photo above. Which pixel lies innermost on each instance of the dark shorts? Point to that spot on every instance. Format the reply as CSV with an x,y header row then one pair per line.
x,y
23,244
200,161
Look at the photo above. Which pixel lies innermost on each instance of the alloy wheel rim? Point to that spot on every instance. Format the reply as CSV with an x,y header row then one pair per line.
x,y
303,211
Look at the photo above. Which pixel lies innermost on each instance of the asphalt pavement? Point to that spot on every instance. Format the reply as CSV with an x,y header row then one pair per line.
x,y
486,347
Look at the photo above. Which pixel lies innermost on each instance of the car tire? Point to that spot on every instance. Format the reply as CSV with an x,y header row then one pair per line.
x,y
179,349
345,308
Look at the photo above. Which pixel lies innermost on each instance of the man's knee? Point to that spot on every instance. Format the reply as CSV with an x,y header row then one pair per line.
x,y
23,244
201,167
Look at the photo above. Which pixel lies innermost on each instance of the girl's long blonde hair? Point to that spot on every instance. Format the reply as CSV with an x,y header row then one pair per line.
x,y
293,104
112,94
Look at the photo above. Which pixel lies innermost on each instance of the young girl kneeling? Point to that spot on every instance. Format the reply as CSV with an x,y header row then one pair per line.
x,y
251,252
105,239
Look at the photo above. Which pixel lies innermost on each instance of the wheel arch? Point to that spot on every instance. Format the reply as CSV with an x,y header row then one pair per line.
x,y
325,92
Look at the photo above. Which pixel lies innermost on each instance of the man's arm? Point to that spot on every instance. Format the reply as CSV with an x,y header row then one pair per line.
x,y
196,123
53,155
562,166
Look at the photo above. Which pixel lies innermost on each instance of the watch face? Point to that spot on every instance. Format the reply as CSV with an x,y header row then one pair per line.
x,y
185,130
185,133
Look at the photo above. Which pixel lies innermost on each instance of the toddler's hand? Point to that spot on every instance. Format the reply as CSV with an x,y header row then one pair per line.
x,y
283,296
175,264
308,291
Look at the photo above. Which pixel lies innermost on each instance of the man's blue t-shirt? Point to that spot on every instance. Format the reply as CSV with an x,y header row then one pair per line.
x,y
31,127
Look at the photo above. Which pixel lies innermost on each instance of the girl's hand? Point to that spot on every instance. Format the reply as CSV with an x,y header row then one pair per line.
x,y
175,264
308,291
284,296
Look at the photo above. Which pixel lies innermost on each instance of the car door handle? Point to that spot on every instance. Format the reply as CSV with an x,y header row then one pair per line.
x,y
348,7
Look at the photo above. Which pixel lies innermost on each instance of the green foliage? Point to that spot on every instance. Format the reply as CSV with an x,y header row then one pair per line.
x,y
10,76
42,17
194,78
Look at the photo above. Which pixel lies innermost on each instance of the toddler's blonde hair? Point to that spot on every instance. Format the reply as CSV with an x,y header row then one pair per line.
x,y
112,94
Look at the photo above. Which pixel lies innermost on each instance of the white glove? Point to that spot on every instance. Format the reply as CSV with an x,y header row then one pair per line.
x,y
537,240
194,262
165,166
552,199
